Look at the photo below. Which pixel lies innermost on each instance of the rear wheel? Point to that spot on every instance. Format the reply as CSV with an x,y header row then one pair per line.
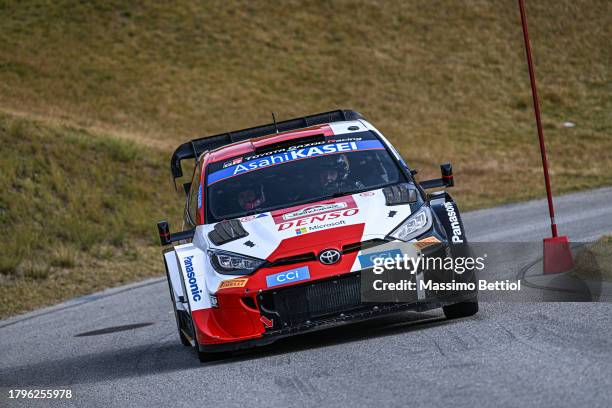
x,y
461,309
184,340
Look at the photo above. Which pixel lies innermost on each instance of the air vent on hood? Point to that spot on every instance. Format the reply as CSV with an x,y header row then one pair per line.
x,y
400,194
227,231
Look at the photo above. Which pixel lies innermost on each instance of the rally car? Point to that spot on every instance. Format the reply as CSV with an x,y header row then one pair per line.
x,y
282,221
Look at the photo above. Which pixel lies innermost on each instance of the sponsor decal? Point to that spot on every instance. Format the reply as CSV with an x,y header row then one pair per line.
x,y
312,222
290,276
252,217
454,223
312,228
191,279
266,322
232,162
250,244
425,242
301,146
301,231
314,209
233,283
369,260
367,194
291,155
392,214
200,196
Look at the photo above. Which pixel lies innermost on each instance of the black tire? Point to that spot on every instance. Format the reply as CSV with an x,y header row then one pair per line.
x,y
461,309
184,341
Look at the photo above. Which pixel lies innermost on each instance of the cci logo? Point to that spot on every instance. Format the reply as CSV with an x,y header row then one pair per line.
x,y
367,260
293,275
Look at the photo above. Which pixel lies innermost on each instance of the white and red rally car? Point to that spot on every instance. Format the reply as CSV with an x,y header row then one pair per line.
x,y
281,223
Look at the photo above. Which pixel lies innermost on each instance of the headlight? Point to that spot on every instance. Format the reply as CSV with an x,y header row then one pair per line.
x,y
417,224
229,263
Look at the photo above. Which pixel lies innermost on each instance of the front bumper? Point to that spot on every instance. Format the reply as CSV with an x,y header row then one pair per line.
x,y
250,317
374,311
314,306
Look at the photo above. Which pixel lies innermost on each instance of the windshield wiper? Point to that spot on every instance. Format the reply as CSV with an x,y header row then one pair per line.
x,y
338,194
351,192
341,194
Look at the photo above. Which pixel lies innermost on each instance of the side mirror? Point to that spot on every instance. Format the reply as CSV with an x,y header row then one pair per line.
x,y
445,181
164,232
447,174
414,172
187,188
166,238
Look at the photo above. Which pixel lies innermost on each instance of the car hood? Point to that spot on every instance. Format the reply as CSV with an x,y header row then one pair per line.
x,y
307,228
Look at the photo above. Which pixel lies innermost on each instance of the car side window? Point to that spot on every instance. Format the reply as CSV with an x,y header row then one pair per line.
x,y
192,204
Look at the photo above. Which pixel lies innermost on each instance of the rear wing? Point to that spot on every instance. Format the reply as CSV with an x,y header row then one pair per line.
x,y
194,148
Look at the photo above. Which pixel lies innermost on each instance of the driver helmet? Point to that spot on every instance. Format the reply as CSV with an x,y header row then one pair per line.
x,y
251,198
334,170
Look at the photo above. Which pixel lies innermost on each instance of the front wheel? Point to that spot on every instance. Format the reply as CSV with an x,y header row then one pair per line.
x,y
461,309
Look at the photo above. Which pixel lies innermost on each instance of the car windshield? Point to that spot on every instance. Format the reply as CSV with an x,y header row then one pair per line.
x,y
298,174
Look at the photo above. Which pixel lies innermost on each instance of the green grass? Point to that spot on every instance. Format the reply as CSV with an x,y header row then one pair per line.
x,y
106,89
77,212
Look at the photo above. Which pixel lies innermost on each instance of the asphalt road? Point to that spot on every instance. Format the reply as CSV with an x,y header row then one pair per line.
x,y
120,348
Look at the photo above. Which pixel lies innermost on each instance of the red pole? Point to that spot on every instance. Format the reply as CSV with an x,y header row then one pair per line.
x,y
536,107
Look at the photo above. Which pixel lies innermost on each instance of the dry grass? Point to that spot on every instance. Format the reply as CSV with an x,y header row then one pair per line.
x,y
594,262
63,256
444,80
44,285
77,210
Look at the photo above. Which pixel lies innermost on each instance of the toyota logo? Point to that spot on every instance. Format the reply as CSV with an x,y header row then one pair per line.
x,y
330,256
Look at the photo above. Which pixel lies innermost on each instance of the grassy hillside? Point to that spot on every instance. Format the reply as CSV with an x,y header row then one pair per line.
x,y
444,80
77,212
